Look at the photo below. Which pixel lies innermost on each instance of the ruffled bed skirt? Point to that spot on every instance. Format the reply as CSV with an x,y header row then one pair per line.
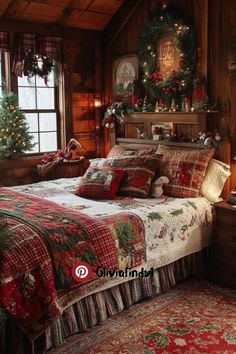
x,y
96,308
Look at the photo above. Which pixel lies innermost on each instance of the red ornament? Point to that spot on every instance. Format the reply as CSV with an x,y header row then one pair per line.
x,y
198,93
156,76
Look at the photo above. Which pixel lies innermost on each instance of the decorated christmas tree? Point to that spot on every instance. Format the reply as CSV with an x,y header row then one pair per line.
x,y
14,134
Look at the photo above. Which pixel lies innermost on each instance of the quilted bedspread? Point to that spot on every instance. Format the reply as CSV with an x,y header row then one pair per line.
x,y
47,240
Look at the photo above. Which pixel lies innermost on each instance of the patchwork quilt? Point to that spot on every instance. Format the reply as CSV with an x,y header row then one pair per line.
x,y
50,234
47,241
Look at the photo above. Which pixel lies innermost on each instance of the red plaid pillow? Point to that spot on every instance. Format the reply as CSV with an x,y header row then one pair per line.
x,y
139,172
186,171
100,183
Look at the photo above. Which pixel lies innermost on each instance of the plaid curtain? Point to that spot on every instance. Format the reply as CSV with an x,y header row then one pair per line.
x,y
42,45
4,42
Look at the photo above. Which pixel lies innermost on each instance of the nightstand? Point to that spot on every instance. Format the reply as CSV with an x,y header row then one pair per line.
x,y
223,254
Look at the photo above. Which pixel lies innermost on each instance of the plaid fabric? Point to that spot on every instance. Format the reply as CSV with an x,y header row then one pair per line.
x,y
186,171
4,42
48,240
133,149
43,45
27,287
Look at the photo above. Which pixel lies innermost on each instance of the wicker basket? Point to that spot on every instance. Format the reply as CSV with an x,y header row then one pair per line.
x,y
66,169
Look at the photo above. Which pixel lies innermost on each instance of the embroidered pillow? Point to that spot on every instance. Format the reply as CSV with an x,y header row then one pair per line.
x,y
214,181
186,171
100,183
138,175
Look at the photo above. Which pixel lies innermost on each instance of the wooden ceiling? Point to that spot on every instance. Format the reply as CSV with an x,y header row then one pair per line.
x,y
87,14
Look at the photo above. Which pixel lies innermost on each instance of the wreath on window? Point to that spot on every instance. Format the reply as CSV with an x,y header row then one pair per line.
x,y
40,65
178,82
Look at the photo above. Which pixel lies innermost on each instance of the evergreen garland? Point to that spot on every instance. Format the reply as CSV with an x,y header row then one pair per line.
x,y
167,22
14,130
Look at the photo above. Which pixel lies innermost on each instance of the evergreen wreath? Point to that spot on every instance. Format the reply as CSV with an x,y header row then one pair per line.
x,y
167,22
40,65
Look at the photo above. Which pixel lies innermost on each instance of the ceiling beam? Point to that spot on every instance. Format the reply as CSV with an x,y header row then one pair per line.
x,y
11,8
119,21
71,14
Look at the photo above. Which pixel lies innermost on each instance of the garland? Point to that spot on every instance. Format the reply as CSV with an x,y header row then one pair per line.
x,y
167,22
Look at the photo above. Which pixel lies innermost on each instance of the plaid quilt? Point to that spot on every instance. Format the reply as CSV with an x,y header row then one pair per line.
x,y
47,240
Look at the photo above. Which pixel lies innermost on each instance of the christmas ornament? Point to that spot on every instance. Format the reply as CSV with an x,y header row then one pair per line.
x,y
114,115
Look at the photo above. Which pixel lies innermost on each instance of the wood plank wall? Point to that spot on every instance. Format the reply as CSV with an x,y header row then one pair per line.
x,y
215,24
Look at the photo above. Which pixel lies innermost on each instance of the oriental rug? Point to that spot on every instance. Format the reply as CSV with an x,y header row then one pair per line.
x,y
194,317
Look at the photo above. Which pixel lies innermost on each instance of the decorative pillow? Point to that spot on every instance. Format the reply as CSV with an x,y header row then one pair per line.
x,y
131,150
186,171
139,172
100,183
118,151
97,162
213,184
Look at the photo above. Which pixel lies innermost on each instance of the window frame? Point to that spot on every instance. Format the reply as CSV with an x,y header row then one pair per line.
x,y
56,110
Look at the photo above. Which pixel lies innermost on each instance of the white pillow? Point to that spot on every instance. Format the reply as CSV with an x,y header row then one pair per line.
x,y
213,183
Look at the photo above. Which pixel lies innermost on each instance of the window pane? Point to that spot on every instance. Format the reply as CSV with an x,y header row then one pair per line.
x,y
35,140
47,121
45,98
48,142
50,83
27,98
32,120
25,81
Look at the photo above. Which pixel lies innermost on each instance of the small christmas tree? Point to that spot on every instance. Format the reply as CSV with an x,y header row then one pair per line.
x,y
14,134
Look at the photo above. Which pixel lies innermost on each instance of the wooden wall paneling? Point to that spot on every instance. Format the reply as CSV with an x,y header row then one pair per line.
x,y
126,41
222,31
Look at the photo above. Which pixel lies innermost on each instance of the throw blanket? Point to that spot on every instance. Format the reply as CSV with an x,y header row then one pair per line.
x,y
48,240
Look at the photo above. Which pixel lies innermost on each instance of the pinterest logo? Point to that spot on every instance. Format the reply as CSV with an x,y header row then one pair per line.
x,y
82,272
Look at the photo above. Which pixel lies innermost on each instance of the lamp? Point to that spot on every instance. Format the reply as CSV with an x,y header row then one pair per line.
x,y
98,103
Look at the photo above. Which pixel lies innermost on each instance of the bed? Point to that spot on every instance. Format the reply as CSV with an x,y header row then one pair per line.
x,y
168,236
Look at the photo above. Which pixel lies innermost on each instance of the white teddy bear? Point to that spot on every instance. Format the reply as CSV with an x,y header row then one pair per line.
x,y
157,189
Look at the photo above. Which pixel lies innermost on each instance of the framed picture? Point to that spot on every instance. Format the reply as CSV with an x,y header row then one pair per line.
x,y
161,131
125,72
167,55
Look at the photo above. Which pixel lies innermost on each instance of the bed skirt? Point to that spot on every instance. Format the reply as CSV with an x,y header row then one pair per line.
x,y
98,307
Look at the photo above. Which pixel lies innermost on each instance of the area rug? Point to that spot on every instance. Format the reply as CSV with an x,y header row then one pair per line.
x,y
195,317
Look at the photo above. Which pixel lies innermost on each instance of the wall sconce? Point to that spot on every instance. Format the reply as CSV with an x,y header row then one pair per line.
x,y
98,102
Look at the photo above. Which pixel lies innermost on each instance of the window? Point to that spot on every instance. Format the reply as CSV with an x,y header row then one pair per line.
x,y
2,72
39,102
